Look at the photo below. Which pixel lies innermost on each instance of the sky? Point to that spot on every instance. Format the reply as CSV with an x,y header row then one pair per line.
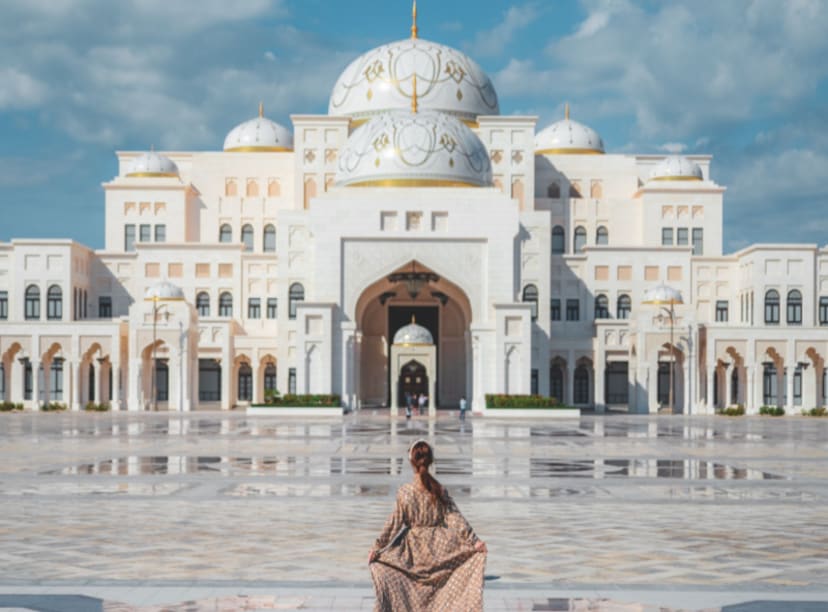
x,y
743,80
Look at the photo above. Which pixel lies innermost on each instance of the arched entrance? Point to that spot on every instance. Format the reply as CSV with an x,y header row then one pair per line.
x,y
413,380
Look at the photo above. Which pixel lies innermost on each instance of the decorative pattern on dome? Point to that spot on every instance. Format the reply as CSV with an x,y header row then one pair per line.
x,y
152,164
402,149
676,168
383,79
259,135
568,137
162,291
413,334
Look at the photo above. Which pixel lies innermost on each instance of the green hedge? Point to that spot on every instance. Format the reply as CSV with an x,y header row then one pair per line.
x,y
293,400
9,406
522,401
93,407
772,411
733,411
816,412
53,407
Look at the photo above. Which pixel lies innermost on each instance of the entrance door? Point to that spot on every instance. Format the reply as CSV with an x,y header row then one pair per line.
x,y
413,381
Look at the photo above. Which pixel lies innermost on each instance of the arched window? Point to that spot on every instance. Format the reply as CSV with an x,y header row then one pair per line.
x,y
54,303
575,189
296,294
226,233
269,239
601,235
245,383
601,307
556,383
624,306
794,307
580,240
772,306
581,388
225,305
554,191
230,188
530,296
273,189
270,378
203,304
558,240
252,188
247,237
32,302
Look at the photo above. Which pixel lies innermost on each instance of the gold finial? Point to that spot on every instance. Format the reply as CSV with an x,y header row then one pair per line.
x,y
261,109
566,111
414,95
414,20
413,319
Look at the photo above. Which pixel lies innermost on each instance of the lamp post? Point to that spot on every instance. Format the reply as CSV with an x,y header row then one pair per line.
x,y
153,397
665,296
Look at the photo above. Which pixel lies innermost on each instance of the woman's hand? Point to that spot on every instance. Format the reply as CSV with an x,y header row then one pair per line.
x,y
480,546
372,556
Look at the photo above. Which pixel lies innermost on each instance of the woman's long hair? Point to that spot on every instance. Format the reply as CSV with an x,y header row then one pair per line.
x,y
421,457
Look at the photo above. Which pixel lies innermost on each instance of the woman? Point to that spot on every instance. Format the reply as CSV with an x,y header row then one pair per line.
x,y
427,556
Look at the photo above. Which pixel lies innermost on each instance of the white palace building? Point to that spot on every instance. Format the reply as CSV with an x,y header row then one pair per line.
x,y
296,257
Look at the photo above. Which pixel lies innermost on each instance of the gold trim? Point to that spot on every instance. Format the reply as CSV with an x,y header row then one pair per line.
x,y
261,109
411,183
566,111
414,31
676,178
163,299
569,152
414,96
415,344
355,123
249,149
151,174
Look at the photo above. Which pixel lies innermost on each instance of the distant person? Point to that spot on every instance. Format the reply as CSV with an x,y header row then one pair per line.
x,y
427,556
407,405
463,406
422,402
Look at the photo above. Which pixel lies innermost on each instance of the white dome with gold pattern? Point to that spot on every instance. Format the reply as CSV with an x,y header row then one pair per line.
x,y
152,164
568,137
163,290
413,334
259,134
406,149
383,79
676,168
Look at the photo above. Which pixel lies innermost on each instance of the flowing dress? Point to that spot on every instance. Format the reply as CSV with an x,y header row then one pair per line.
x,y
427,559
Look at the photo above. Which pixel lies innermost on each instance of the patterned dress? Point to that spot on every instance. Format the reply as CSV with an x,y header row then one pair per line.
x,y
427,559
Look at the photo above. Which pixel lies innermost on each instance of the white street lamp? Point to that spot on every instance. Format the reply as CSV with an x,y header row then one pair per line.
x,y
665,296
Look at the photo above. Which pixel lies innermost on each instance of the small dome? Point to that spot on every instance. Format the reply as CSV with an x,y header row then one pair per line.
x,y
383,79
152,164
413,334
163,291
568,137
663,295
676,168
259,134
406,149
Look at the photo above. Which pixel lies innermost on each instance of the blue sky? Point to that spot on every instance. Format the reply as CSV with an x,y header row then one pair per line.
x,y
743,80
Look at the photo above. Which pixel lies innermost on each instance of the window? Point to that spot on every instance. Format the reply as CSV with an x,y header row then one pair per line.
x,y
823,309
602,235
663,390
269,239
129,237
225,305
54,303
580,240
272,308
3,382
553,191
530,296
270,378
555,309
104,307
4,305
573,310
27,380
145,233
533,382
292,380
226,233
209,380
32,302
254,308
56,380
558,240
698,241
721,311
161,233
601,307
682,236
794,307
245,383
556,383
203,304
772,307
734,386
770,385
581,388
624,306
797,386
247,237
616,389
162,380
666,236
296,294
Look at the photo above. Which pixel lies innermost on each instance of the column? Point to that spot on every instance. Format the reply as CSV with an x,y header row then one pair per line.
x,y
187,365
600,398
728,385
711,400
432,407
789,383
226,373
95,374
749,395
116,385
135,380
76,384
15,381
357,371
652,388
35,384
257,384
569,392
685,388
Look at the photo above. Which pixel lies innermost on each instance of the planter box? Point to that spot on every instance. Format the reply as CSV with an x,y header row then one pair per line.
x,y
316,411
528,413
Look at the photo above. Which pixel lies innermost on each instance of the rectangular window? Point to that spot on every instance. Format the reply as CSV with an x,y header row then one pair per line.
x,y
145,235
27,380
129,237
797,386
209,380
555,310
4,305
272,308
573,310
682,236
161,233
292,380
698,241
104,307
721,311
823,309
534,382
254,308
666,236
769,386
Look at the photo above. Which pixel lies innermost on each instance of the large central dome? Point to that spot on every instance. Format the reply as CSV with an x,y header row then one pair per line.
x,y
383,80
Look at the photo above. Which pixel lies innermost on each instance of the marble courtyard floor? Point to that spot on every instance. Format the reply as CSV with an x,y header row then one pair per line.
x,y
220,511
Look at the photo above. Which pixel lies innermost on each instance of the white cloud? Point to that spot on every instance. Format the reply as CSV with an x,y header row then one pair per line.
x,y
492,42
673,147
592,24
20,90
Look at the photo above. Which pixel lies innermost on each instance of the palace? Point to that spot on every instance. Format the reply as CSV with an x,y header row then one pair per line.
x,y
413,240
